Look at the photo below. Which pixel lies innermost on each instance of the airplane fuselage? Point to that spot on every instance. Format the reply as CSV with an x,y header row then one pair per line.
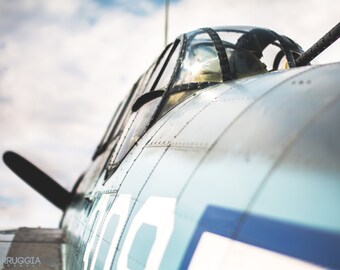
x,y
243,173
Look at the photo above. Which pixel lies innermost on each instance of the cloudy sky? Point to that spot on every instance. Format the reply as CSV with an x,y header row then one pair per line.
x,y
65,65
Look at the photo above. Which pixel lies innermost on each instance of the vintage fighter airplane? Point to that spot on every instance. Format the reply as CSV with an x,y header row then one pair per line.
x,y
224,155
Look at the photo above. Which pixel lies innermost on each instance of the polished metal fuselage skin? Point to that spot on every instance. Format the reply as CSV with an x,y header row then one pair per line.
x,y
244,173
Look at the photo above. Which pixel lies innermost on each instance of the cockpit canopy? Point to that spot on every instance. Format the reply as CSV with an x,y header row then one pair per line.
x,y
208,56
194,61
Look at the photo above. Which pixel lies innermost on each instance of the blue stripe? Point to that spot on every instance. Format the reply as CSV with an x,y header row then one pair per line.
x,y
309,244
215,220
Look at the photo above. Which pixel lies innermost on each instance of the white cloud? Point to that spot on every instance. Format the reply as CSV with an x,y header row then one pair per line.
x,y
305,21
64,68
65,65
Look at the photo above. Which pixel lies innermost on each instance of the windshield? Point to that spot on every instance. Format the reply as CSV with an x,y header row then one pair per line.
x,y
201,64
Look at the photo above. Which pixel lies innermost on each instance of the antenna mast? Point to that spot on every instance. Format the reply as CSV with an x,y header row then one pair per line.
x,y
167,3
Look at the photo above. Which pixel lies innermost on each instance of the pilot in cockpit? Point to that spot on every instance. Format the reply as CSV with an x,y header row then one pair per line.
x,y
248,53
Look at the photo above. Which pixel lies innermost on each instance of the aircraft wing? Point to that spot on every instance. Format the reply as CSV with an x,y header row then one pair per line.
x,y
31,248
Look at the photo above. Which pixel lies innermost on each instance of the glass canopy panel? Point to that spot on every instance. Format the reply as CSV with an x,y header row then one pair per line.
x,y
200,63
169,69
